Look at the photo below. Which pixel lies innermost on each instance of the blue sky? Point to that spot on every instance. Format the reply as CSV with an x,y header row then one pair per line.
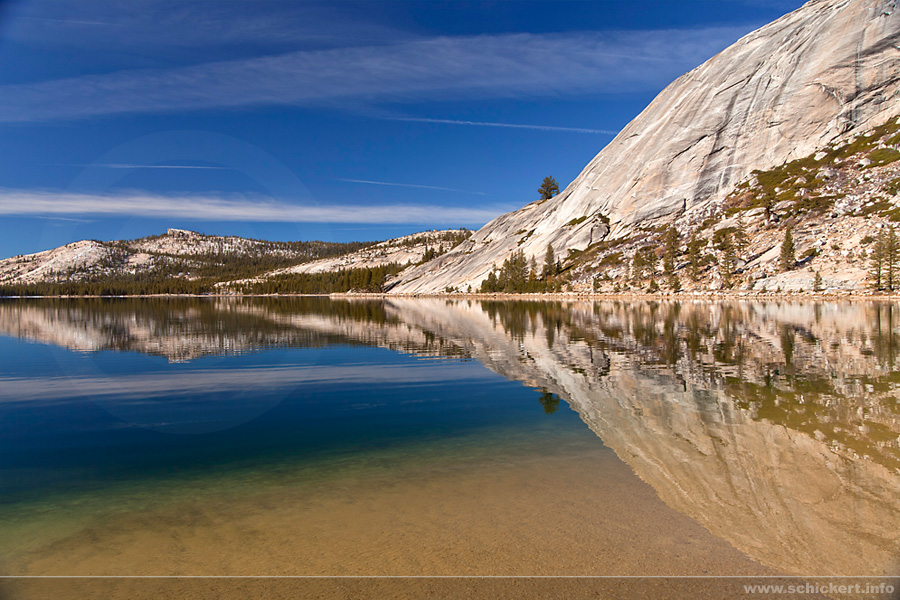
x,y
321,120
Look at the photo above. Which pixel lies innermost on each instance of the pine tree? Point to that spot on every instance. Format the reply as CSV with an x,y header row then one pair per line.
x,y
876,262
515,272
549,263
670,253
637,266
548,188
695,249
817,282
768,203
728,262
890,258
674,283
532,285
490,284
642,264
741,239
788,250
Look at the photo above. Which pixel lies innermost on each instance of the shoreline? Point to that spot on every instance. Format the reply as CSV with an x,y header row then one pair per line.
x,y
717,295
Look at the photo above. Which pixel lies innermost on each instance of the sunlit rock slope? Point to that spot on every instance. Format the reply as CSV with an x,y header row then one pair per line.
x,y
822,73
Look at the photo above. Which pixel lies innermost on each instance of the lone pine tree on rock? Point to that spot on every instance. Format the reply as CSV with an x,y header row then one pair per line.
x,y
548,189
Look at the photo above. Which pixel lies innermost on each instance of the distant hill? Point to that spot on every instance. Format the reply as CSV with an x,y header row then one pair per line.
x,y
369,269
182,261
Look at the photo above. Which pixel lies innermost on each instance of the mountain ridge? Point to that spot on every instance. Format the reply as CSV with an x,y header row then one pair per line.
x,y
187,262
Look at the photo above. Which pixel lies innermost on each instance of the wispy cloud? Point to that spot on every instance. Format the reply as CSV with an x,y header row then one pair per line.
x,y
65,219
130,166
504,125
63,21
486,66
410,185
163,23
234,208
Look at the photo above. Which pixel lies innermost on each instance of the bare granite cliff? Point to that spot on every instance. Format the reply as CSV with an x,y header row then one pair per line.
x,y
823,73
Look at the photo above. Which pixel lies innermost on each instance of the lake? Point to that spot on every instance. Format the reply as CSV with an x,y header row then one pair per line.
x,y
664,449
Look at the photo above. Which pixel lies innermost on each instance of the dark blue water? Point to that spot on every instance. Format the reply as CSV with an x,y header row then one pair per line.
x,y
73,421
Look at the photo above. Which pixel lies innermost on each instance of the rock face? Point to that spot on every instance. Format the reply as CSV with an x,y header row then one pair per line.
x,y
825,72
44,266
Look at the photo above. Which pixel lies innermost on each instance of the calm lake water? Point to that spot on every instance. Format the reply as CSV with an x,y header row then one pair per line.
x,y
427,437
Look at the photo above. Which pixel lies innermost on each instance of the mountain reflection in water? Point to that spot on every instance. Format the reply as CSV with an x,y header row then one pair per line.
x,y
774,424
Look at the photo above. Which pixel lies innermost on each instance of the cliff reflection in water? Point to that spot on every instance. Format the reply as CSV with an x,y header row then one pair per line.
x,y
775,425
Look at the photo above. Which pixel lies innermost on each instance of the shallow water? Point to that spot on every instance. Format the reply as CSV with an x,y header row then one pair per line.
x,y
433,437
